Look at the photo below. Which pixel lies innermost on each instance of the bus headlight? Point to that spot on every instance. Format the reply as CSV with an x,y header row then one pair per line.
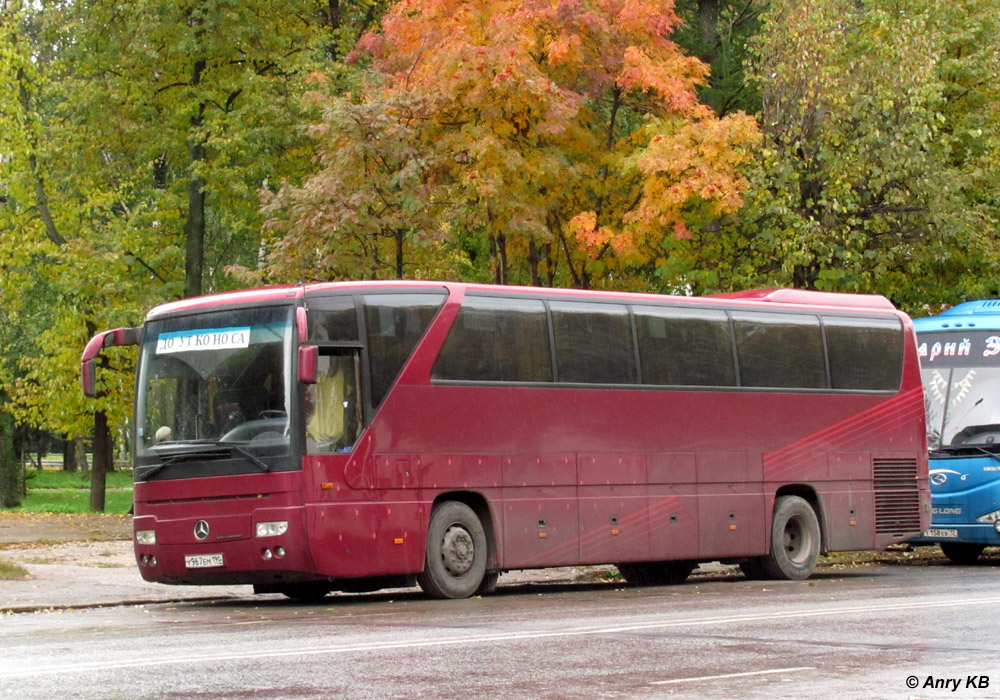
x,y
272,529
989,517
145,536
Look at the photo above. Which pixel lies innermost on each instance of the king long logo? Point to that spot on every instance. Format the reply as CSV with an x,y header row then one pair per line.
x,y
939,477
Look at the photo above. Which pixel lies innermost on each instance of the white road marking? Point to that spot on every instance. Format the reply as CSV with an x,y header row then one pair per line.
x,y
582,631
735,675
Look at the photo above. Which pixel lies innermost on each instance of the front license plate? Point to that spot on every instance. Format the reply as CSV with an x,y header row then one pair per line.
x,y
941,533
202,561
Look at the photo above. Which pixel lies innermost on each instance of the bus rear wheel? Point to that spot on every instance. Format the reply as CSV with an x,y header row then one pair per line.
x,y
795,543
457,552
964,553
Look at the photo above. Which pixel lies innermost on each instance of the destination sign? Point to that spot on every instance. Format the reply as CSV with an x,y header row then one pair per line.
x,y
959,349
203,339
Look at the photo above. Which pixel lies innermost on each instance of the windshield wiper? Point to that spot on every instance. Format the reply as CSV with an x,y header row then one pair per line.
x,y
213,452
257,461
965,449
992,454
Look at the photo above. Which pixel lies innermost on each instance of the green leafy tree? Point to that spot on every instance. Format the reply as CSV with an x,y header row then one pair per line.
x,y
719,33
133,140
878,171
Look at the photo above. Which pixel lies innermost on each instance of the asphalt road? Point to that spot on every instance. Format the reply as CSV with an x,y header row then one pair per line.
x,y
871,632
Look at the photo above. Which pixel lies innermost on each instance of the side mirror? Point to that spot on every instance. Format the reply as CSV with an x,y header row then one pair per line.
x,y
105,339
88,375
308,363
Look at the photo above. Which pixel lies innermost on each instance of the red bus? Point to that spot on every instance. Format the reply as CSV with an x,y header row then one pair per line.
x,y
354,436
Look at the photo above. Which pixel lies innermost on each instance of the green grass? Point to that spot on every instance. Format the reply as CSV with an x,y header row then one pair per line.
x,y
56,491
11,572
58,479
72,501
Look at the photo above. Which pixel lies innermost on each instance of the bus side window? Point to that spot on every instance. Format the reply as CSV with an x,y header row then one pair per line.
x,y
333,319
865,353
333,410
685,347
497,340
394,324
593,343
780,350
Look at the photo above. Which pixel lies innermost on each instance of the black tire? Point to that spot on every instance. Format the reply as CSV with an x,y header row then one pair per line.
x,y
489,584
964,553
753,568
795,542
457,552
656,573
307,592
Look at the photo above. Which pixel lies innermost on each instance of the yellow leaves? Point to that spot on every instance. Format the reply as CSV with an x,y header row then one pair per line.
x,y
699,160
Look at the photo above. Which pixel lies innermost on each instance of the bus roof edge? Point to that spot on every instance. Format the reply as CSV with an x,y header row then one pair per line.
x,y
808,297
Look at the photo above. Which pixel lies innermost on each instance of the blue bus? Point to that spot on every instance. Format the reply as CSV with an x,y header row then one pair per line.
x,y
960,367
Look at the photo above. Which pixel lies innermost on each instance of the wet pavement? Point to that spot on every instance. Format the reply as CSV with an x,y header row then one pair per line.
x,y
81,561
85,561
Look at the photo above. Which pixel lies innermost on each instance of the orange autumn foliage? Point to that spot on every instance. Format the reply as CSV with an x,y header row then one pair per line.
x,y
566,132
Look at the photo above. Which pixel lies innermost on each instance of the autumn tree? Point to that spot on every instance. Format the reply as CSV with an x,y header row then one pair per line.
x,y
564,137
879,166
372,216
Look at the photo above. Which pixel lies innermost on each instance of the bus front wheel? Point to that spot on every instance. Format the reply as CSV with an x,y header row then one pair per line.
x,y
795,543
964,553
306,591
455,565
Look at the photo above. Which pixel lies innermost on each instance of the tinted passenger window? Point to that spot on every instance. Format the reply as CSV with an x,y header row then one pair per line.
x,y
394,324
684,347
780,350
332,319
497,340
865,353
593,343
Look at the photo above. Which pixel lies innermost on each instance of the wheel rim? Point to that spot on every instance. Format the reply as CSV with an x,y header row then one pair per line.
x,y
458,550
798,541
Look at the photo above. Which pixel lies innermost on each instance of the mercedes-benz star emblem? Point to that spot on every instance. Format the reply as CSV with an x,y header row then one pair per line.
x,y
201,530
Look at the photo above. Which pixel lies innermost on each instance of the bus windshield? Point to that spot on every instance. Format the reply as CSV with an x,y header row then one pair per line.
x,y
961,408
960,371
215,378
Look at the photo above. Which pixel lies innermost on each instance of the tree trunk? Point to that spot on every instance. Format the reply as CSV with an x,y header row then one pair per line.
x,y
534,259
498,255
708,18
81,456
69,456
10,489
103,456
195,226
400,238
